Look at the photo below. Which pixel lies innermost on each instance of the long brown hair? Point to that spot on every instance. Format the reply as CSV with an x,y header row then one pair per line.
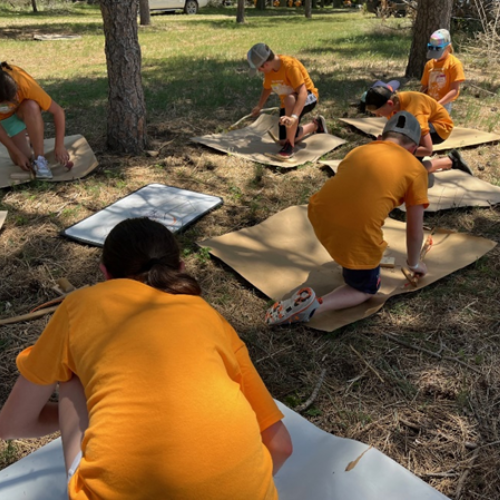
x,y
145,250
8,87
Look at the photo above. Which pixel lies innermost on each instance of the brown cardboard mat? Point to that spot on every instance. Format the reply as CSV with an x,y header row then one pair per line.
x,y
3,216
459,138
254,143
282,254
452,189
80,152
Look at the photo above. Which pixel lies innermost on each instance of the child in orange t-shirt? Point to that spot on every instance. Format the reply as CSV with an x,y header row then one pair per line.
x,y
347,215
158,397
287,77
21,102
443,73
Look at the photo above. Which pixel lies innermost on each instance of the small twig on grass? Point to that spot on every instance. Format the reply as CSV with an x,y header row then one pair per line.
x,y
314,395
369,366
29,316
480,88
430,353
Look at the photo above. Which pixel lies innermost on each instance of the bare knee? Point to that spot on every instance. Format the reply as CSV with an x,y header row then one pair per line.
x,y
28,108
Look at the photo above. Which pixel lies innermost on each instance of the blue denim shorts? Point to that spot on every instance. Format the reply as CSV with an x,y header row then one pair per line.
x,y
13,125
363,280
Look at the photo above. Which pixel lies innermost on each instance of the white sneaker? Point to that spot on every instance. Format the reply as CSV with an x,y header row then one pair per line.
x,y
41,167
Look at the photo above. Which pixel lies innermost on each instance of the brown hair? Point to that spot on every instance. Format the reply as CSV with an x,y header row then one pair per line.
x,y
8,87
146,251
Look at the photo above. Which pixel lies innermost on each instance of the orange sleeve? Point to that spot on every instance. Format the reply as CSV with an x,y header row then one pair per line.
x,y
425,75
294,75
417,194
48,361
28,88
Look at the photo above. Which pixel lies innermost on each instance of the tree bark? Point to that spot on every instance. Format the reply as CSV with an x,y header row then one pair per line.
x,y
308,9
261,5
33,4
126,121
431,16
240,11
144,14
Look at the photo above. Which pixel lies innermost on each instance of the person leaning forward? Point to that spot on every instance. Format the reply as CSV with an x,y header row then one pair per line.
x,y
348,214
287,77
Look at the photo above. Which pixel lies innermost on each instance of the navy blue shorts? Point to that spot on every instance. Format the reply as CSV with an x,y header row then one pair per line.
x,y
311,102
363,280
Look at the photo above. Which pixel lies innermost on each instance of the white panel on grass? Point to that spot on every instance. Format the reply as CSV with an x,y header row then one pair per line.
x,y
173,207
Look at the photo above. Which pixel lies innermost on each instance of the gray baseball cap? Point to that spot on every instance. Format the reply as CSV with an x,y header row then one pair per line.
x,y
406,124
257,56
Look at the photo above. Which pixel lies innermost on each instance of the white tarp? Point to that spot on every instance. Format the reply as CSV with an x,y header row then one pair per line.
x,y
315,471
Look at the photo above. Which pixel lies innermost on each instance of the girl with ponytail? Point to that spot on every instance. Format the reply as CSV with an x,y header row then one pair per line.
x,y
22,101
158,397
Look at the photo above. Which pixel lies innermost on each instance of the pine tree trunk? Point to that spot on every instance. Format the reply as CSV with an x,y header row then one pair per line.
x,y
34,6
126,123
431,16
308,9
144,14
240,12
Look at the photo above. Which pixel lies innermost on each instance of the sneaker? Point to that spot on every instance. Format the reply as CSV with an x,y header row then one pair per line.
x,y
286,151
299,308
41,168
458,162
321,124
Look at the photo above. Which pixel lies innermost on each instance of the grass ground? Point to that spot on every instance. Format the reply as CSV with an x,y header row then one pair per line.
x,y
435,414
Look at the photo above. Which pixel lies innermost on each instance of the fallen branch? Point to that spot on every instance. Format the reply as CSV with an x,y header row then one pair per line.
x,y
463,477
314,395
28,316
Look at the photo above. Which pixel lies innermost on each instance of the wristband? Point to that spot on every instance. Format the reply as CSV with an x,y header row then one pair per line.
x,y
294,116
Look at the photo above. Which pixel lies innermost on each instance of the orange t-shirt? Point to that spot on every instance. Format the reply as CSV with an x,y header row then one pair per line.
x,y
176,407
348,212
27,88
439,75
291,75
426,110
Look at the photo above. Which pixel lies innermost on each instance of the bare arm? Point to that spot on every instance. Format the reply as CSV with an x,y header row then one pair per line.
x,y
289,121
264,96
279,443
62,156
424,88
454,90
27,411
425,146
415,237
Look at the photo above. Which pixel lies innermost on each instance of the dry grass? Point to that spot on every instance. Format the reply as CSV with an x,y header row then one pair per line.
x,y
436,414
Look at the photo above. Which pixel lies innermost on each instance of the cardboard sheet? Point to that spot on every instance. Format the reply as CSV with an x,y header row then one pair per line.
x,y
459,138
3,216
253,143
452,189
173,207
80,153
282,254
315,471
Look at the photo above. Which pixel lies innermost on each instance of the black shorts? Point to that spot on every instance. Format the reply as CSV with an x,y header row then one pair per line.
x,y
435,137
311,102
363,280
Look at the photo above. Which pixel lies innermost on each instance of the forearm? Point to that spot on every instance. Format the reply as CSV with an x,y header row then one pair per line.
x,y
413,247
423,88
60,126
300,101
264,96
279,443
448,97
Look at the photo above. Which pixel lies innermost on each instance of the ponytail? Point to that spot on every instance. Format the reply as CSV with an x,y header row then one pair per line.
x,y
146,251
8,86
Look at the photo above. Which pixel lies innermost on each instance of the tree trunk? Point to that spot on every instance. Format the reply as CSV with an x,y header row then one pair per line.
x,y
126,123
144,14
33,4
431,16
240,12
308,9
261,5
